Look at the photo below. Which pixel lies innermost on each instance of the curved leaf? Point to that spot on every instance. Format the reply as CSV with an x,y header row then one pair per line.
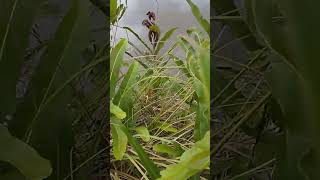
x,y
117,111
144,133
138,37
197,14
164,148
113,11
166,127
116,59
191,162
128,80
23,157
164,39
119,139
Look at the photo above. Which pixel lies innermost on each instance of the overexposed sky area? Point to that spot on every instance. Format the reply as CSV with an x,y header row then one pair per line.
x,y
170,13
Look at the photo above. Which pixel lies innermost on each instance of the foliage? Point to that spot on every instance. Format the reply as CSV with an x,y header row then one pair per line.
x,y
22,156
166,100
191,162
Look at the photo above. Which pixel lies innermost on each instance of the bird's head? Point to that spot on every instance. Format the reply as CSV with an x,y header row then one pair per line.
x,y
151,15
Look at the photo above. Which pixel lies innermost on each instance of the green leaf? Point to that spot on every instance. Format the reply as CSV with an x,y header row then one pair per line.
x,y
116,61
23,157
164,40
113,11
144,133
119,139
197,14
297,135
304,38
117,111
164,148
204,64
166,127
199,64
16,20
202,123
130,78
139,38
191,162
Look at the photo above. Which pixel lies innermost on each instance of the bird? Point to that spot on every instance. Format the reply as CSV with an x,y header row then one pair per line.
x,y
154,30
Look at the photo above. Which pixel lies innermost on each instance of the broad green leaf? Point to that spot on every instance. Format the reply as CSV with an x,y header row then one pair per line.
x,y
164,40
202,123
129,79
166,127
117,111
119,139
125,94
113,11
297,135
23,157
144,133
164,148
204,64
16,20
304,38
151,168
199,65
197,14
116,61
192,161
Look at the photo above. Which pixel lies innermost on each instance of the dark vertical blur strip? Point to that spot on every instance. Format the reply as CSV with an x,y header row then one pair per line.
x,y
108,77
104,7
212,30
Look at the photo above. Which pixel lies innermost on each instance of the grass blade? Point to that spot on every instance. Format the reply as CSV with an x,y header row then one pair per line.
x,y
197,14
164,39
152,169
139,38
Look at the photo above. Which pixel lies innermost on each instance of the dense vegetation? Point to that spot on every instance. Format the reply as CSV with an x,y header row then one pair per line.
x,y
160,105
264,117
